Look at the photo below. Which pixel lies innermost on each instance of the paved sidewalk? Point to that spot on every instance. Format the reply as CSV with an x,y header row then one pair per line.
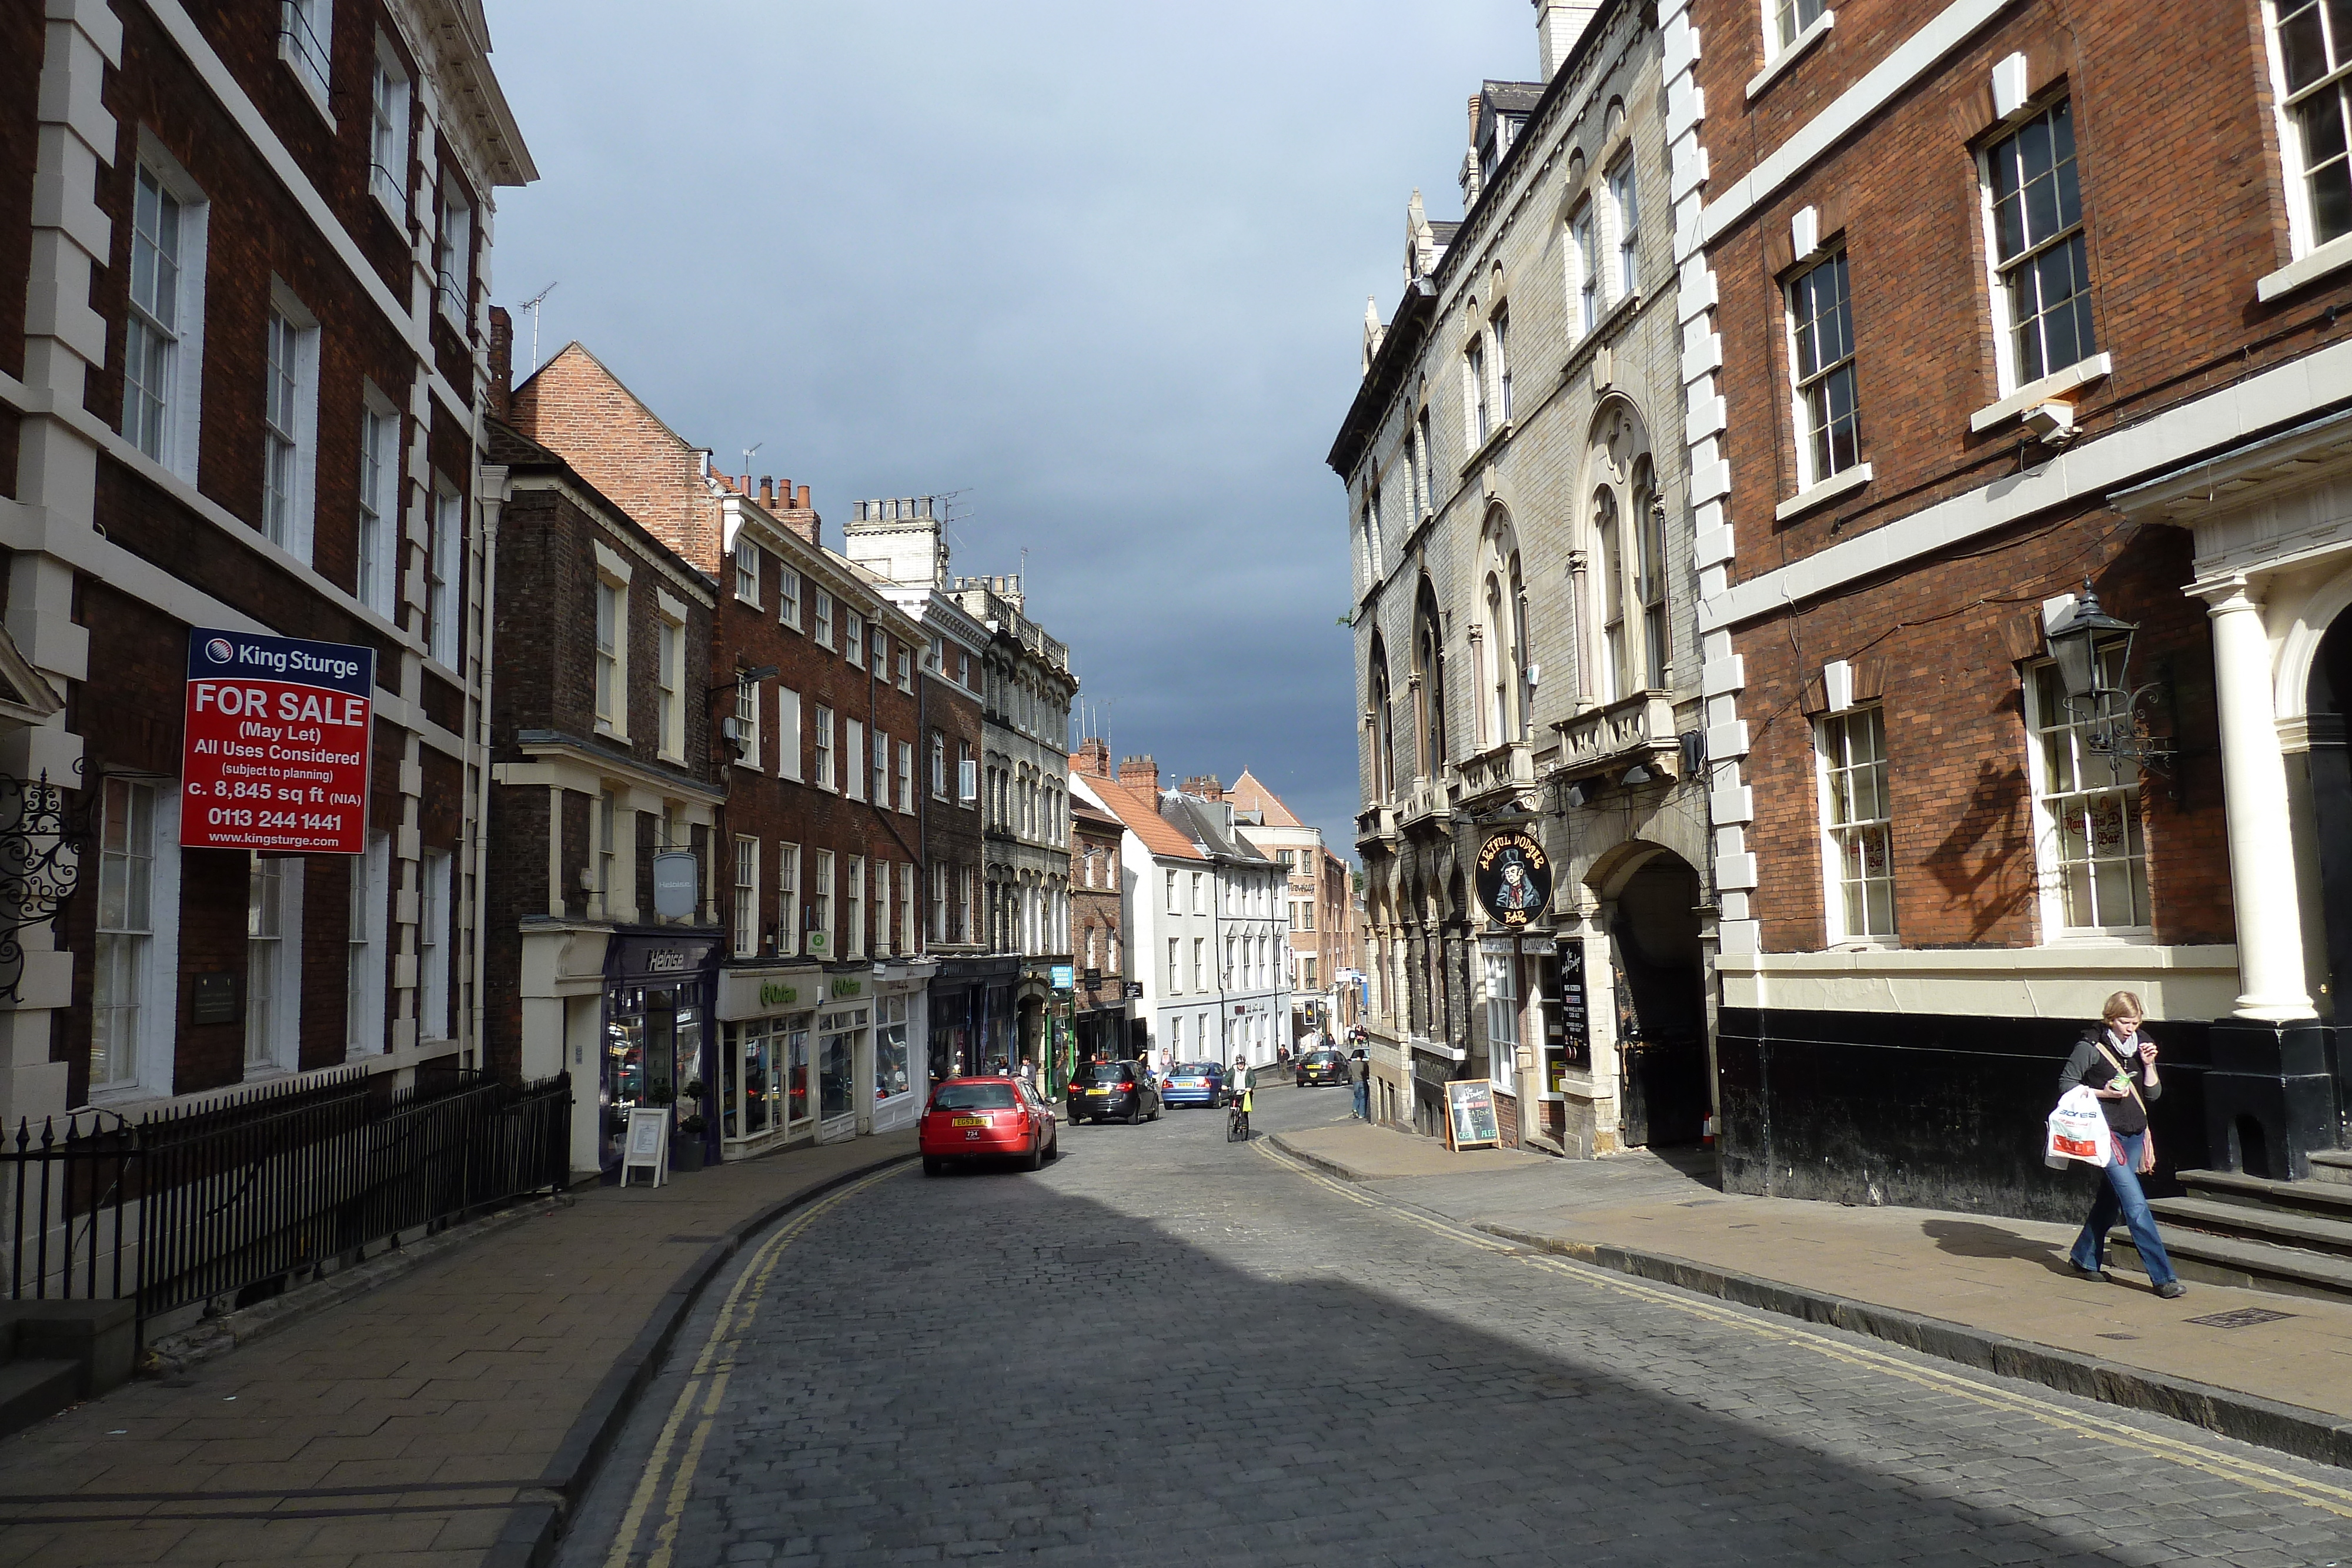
x,y
444,1418
1993,1292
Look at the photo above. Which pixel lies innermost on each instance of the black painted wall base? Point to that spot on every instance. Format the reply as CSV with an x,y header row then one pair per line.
x,y
2269,1097
1937,1111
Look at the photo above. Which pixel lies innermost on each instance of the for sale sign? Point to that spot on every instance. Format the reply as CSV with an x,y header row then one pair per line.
x,y
278,744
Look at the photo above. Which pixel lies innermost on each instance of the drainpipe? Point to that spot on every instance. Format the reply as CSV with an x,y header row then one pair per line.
x,y
491,493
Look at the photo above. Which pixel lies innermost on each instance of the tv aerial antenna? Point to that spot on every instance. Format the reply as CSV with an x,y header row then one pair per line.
x,y
533,305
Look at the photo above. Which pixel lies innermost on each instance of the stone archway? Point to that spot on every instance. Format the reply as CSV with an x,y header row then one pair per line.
x,y
1658,991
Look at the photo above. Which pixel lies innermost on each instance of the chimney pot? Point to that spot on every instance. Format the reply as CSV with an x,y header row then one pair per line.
x,y
802,502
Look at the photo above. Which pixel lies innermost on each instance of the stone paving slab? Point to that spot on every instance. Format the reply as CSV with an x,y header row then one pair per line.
x,y
439,1419
2003,1280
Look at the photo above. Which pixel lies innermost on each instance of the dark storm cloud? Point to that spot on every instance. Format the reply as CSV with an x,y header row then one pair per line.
x,y
1099,267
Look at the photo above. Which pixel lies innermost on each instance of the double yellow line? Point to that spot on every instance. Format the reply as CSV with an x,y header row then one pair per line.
x,y
707,1384
2245,1472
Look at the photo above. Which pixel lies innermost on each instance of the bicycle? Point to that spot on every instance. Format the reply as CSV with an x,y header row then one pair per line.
x,y
1237,1120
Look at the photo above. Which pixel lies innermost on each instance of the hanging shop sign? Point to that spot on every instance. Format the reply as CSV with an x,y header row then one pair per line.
x,y
1514,878
277,744
677,882
1064,977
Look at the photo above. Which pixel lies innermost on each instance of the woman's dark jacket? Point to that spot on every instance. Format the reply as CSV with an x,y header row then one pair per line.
x,y
2087,1066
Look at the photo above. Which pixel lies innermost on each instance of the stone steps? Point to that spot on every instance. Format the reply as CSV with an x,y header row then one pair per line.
x,y
33,1391
2291,1237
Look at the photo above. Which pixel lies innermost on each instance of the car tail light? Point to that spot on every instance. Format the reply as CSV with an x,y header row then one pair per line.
x,y
1129,1084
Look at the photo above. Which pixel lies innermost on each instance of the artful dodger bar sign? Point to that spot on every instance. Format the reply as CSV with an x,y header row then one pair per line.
x,y
278,744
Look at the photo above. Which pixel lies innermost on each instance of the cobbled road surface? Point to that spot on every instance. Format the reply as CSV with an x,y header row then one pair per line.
x,y
1166,1348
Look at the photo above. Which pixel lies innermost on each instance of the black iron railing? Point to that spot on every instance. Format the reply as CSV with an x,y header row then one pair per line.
x,y
235,1198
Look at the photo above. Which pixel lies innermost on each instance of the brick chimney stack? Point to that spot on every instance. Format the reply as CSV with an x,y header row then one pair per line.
x,y
1092,757
778,497
500,392
1207,786
1140,773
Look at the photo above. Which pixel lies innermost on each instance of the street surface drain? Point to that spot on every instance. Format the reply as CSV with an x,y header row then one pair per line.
x,y
2244,1317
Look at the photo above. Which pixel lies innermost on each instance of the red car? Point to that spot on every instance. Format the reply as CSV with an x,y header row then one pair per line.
x,y
987,1118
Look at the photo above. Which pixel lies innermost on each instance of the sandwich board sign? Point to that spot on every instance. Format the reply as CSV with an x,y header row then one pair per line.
x,y
1470,1121
647,1146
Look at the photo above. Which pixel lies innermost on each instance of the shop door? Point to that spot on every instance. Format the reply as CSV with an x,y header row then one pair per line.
x,y
1661,1004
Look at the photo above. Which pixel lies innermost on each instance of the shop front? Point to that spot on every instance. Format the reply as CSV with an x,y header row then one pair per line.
x,y
657,1048
767,1018
969,1014
900,1074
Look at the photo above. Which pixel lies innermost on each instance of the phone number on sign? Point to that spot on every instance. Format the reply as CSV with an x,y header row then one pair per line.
x,y
238,817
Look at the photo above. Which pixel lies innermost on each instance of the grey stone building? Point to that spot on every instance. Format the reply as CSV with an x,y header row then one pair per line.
x,y
1526,637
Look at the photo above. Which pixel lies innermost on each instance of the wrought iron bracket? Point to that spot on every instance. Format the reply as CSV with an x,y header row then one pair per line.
x,y
42,836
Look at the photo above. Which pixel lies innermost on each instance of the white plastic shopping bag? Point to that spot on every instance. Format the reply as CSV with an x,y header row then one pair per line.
x,y
2078,1131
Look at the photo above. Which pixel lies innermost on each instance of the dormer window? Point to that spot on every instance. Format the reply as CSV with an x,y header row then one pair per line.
x,y
1502,130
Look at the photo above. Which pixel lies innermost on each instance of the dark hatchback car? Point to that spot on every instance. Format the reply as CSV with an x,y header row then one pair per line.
x,y
1103,1089
1322,1067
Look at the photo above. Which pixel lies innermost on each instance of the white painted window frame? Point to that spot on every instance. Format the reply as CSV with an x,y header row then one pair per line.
x,y
183,380
2049,871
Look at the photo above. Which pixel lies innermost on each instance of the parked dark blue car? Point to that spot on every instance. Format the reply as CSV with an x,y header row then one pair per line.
x,y
1195,1083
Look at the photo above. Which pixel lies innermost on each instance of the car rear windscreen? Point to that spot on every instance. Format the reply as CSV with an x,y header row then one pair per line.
x,y
1198,1069
1108,1072
974,1097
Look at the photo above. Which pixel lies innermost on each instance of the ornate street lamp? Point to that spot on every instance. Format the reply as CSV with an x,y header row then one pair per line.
x,y
2112,728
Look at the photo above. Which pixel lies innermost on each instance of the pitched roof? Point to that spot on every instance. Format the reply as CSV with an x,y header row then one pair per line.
x,y
1250,794
1140,814
1207,826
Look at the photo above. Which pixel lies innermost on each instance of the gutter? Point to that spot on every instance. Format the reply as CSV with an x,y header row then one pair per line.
x,y
490,493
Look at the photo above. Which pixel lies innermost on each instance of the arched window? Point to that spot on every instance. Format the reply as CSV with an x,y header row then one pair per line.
x,y
1525,694
1429,688
1649,574
1494,659
1383,723
1609,582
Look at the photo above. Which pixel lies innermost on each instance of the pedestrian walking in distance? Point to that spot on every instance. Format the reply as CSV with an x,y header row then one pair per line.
x,y
2118,1063
1359,1072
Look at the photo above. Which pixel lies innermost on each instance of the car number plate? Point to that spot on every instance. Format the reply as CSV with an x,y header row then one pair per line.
x,y
1097,1090
971,1121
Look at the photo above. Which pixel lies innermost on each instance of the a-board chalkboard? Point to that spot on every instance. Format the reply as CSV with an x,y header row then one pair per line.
x,y
647,1146
1470,1114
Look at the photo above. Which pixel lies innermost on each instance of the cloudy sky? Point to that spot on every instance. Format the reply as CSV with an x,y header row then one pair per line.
x,y
1099,268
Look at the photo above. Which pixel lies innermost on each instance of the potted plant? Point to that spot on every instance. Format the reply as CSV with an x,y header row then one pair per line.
x,y
685,1143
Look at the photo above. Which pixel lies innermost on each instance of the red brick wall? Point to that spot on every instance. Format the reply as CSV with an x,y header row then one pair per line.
x,y
2181,206
573,405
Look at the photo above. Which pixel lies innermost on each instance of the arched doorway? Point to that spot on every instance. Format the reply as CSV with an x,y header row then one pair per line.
x,y
1660,1000
2327,697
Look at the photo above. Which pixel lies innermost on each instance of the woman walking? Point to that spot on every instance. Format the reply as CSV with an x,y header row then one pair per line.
x,y
2118,1063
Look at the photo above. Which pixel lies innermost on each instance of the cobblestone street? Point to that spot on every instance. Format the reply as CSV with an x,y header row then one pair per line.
x,y
1166,1348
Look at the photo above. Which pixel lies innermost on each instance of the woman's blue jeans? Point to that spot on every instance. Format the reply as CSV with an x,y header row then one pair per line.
x,y
2122,1194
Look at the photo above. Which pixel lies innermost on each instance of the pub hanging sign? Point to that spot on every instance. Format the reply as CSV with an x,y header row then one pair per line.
x,y
1514,879
277,744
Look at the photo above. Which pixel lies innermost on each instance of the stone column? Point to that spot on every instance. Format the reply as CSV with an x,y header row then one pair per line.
x,y
2253,783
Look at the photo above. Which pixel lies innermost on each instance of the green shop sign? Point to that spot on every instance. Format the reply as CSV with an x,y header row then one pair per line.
x,y
849,986
773,995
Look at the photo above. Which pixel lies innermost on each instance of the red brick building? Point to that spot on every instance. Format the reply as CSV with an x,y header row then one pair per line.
x,y
242,393
816,1005
1097,934
603,759
1978,309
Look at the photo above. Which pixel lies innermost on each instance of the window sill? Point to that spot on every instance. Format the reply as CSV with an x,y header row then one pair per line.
x,y
1798,46
2121,936
1496,439
2081,373
752,603
1843,482
389,204
1612,313
2333,256
313,89
748,764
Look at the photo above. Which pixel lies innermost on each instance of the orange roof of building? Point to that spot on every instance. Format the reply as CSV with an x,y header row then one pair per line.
x,y
1249,794
1141,816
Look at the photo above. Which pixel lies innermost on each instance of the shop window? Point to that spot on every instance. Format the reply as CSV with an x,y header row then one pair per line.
x,y
1503,1019
891,1070
763,1077
836,1058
